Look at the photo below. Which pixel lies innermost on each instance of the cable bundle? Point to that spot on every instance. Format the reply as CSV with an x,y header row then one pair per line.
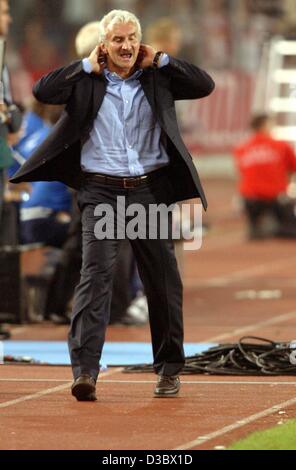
x,y
265,357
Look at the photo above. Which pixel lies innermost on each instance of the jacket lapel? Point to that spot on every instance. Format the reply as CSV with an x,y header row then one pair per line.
x,y
99,91
147,82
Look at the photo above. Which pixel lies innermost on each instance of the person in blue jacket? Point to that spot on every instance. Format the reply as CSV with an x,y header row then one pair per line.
x,y
45,214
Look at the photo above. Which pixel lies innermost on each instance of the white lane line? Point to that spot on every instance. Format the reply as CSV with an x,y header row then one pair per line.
x,y
271,281
203,382
236,425
251,328
48,391
33,380
35,396
235,276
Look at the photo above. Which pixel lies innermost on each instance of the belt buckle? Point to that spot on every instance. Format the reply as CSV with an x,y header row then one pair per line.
x,y
129,183
134,182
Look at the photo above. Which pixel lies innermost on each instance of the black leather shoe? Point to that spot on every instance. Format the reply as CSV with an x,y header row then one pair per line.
x,y
167,386
84,388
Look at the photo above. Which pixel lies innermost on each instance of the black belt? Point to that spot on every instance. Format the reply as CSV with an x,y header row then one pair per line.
x,y
125,182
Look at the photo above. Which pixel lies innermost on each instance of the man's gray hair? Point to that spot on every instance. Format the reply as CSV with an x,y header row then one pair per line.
x,y
117,17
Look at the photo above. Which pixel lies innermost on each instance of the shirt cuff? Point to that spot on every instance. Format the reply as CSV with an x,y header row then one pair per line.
x,y
164,60
86,65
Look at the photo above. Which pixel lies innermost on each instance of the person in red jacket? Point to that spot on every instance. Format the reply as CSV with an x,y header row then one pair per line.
x,y
265,165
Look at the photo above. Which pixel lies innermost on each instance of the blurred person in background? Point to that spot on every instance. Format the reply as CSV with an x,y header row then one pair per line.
x,y
264,166
87,38
119,136
164,34
35,119
10,118
38,52
10,115
45,215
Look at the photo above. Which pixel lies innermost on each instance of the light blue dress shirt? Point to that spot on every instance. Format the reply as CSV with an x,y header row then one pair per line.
x,y
126,139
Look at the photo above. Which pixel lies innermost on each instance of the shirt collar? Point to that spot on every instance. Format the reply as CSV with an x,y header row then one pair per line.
x,y
112,77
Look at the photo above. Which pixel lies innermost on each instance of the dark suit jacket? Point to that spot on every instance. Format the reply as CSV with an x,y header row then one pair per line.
x,y
58,157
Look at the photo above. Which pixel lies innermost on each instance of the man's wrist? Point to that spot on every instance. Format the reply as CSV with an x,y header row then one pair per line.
x,y
164,60
160,59
156,59
86,65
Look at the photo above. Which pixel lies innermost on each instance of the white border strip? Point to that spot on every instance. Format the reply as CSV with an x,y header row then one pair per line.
x,y
251,328
48,391
203,382
243,274
34,396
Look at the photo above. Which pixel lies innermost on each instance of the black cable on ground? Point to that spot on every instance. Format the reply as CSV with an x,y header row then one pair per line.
x,y
264,357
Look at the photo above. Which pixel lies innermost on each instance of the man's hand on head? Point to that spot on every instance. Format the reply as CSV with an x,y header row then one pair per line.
x,y
97,60
145,56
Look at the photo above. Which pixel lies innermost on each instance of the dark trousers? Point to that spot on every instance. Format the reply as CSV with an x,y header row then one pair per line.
x,y
158,270
282,212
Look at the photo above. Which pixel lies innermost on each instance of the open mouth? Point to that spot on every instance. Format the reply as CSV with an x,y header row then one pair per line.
x,y
126,56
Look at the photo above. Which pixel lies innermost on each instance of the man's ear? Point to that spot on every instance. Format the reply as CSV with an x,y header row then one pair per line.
x,y
103,48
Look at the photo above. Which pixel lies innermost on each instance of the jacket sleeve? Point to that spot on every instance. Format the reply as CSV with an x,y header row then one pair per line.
x,y
187,80
56,87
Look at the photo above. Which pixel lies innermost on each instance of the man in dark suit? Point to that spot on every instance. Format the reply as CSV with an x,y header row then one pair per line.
x,y
118,140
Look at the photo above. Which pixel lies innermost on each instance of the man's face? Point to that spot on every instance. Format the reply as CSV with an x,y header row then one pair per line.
x,y
122,47
5,18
